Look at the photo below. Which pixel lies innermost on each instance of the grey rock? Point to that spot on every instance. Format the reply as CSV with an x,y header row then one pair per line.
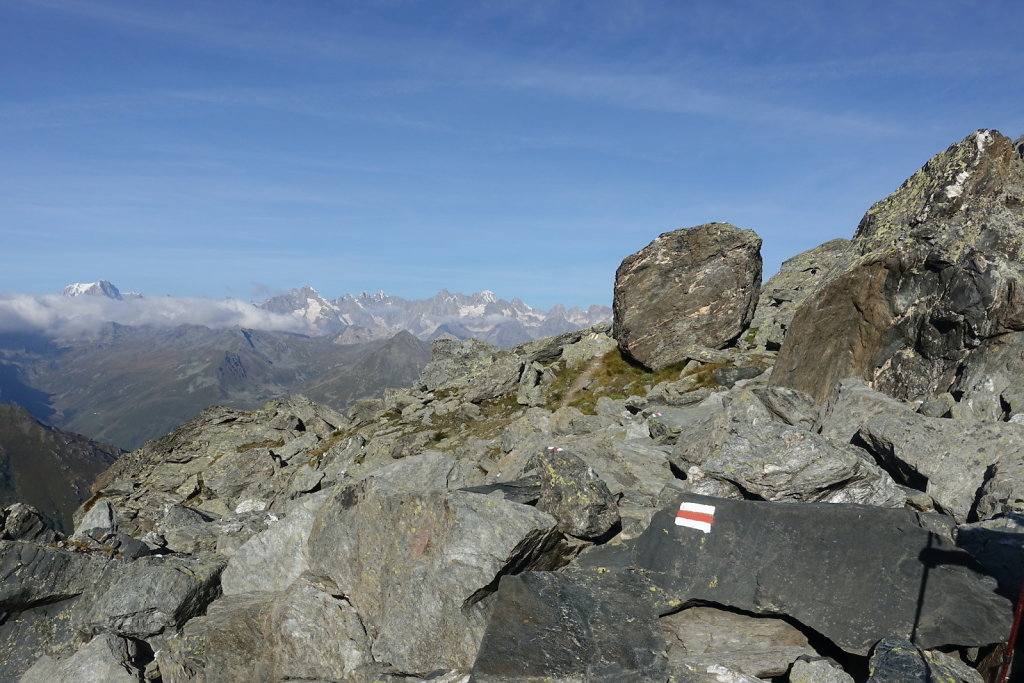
x,y
808,669
713,673
691,287
853,404
301,633
104,659
571,627
416,563
272,559
896,660
572,493
699,637
480,370
100,516
789,406
20,522
32,574
743,446
798,278
151,595
937,276
937,406
950,459
882,571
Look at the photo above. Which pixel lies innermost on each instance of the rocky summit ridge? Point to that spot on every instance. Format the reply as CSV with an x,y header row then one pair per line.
x,y
724,485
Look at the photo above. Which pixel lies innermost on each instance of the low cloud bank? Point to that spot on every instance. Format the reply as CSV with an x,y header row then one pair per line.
x,y
56,314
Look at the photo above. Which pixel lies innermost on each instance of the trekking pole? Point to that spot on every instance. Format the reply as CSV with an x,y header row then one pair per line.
x,y
1008,655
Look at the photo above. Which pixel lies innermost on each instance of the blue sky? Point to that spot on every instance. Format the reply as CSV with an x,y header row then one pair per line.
x,y
241,148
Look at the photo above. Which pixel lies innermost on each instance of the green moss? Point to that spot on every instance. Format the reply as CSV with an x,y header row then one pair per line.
x,y
268,443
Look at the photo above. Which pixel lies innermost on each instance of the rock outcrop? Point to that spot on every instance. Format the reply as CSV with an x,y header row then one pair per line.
x,y
689,288
935,291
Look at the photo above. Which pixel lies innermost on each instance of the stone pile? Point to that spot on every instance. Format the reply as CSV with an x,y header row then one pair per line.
x,y
646,502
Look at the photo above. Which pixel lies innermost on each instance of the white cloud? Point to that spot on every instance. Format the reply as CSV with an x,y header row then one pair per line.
x,y
61,315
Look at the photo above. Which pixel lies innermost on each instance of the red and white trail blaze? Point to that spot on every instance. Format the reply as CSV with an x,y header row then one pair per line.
x,y
696,516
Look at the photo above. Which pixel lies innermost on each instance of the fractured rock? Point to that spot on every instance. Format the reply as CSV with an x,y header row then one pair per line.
x,y
951,459
690,287
896,660
699,637
301,633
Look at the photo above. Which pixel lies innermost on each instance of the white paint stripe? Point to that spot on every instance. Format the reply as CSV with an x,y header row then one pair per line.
x,y
697,507
700,526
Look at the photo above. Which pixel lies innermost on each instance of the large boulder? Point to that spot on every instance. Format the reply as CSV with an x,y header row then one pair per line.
x,y
937,277
852,573
689,288
417,560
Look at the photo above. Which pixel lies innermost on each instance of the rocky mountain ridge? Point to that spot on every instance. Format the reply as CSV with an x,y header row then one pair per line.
x,y
650,501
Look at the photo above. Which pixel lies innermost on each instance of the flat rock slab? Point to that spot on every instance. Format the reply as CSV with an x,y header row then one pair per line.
x,y
852,573
691,287
588,626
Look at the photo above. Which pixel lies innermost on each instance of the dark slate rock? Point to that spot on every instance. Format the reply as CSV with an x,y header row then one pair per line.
x,y
896,660
32,575
691,287
584,626
852,573
998,546
572,493
26,636
525,491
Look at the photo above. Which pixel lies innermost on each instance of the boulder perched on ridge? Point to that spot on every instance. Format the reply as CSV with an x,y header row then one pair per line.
x,y
695,287
937,279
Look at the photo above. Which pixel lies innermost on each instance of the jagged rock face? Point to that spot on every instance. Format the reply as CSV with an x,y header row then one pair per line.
x,y
797,279
695,287
938,276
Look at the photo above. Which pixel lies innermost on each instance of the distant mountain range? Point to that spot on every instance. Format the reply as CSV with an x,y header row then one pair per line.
x,y
481,316
125,368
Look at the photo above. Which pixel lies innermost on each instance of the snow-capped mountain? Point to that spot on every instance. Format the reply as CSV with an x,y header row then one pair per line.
x,y
482,315
99,288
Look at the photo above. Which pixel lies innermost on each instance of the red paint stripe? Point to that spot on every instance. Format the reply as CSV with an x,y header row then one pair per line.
x,y
696,516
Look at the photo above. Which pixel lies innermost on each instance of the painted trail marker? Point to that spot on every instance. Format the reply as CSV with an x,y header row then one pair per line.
x,y
696,516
